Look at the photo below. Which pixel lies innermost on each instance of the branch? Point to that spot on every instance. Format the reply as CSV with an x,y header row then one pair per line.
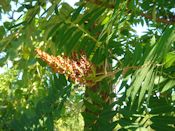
x,y
170,21
162,20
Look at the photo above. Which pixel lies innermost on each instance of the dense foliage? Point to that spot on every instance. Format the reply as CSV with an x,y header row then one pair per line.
x,y
131,84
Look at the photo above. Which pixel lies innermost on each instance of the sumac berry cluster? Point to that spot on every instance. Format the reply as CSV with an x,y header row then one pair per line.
x,y
76,67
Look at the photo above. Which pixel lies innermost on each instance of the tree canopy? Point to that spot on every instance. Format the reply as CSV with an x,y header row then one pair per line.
x,y
85,67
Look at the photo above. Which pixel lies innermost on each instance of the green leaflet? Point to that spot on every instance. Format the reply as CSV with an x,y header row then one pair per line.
x,y
169,59
173,97
164,43
93,18
66,37
138,82
147,85
3,60
2,32
89,118
88,15
73,41
91,106
170,84
160,127
76,13
65,10
163,119
95,97
106,116
162,109
137,54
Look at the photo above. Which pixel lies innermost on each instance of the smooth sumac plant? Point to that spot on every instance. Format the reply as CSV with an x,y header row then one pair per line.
x,y
87,62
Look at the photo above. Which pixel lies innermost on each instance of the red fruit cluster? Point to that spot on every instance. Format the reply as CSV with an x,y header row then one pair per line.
x,y
77,67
